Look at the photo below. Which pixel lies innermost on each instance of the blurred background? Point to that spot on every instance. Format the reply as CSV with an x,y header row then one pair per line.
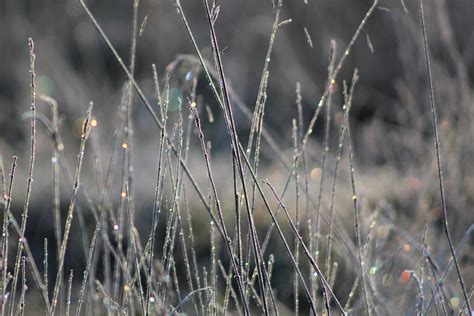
x,y
390,117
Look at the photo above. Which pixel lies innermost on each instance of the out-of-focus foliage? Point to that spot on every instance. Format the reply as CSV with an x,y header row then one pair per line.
x,y
390,118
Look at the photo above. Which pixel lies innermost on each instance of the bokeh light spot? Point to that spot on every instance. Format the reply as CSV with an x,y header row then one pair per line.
x,y
405,276
44,85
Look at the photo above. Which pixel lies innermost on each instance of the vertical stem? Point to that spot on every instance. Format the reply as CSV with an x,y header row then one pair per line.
x,y
24,215
438,154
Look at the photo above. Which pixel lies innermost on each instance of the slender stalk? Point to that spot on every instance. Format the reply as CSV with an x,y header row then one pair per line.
x,y
327,130
67,227
69,292
23,287
24,216
56,170
5,235
33,267
297,219
227,239
326,286
45,264
128,174
332,80
187,298
211,74
149,108
263,278
229,291
158,184
437,144
342,133
282,237
82,292
356,211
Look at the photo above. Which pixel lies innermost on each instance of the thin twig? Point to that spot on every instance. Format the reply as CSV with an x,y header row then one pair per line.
x,y
85,278
5,235
356,211
24,215
69,292
227,239
438,154
258,256
149,108
67,227
325,285
188,297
